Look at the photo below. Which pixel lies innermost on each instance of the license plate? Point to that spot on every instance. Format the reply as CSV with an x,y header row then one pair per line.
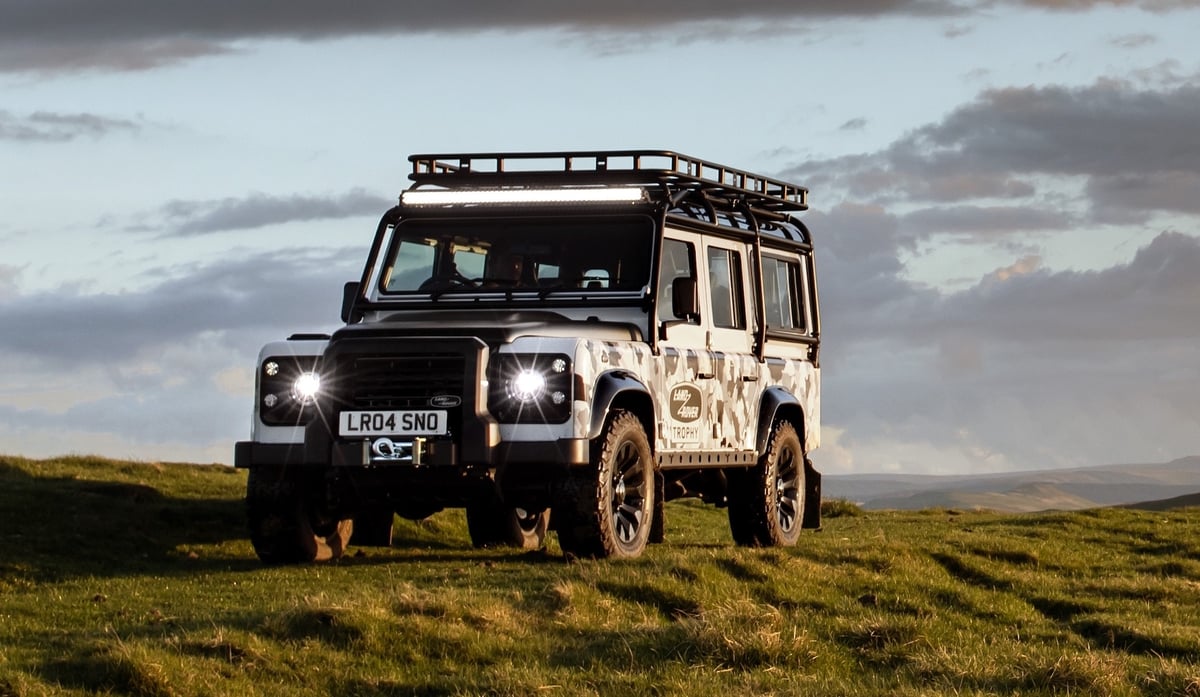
x,y
393,423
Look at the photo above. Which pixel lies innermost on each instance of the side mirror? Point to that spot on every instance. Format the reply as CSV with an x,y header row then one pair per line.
x,y
685,299
350,315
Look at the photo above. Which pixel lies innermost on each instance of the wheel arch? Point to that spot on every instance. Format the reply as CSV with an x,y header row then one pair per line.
x,y
620,389
777,403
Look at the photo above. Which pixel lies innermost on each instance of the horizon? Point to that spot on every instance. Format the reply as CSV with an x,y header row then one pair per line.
x,y
1006,473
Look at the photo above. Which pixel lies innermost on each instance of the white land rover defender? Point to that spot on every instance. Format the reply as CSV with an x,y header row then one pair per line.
x,y
560,340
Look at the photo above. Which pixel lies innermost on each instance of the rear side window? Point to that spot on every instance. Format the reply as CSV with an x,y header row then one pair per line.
x,y
725,288
781,286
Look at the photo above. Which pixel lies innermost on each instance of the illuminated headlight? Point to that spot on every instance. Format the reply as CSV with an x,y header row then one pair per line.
x,y
531,388
288,387
306,387
527,385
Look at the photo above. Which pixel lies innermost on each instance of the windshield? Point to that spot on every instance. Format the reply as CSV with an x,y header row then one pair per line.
x,y
444,256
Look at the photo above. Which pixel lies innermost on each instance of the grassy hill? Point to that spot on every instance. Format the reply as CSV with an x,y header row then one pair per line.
x,y
133,578
1025,491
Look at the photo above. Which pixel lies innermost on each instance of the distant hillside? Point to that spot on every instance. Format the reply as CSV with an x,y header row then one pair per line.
x,y
1185,501
1067,489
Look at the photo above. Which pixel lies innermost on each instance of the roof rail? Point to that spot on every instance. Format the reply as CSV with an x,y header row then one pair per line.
x,y
598,167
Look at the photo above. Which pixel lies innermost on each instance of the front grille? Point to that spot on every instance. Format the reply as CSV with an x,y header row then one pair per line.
x,y
399,381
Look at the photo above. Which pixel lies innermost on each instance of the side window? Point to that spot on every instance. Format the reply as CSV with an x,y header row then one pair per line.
x,y
781,286
678,261
725,288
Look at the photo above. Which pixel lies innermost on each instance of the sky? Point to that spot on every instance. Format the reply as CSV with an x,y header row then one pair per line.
x,y
1004,198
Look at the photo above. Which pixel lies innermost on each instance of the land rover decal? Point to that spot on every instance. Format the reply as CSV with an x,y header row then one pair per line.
x,y
686,406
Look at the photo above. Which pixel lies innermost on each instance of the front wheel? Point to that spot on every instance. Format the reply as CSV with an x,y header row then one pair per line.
x,y
607,510
492,523
766,502
286,525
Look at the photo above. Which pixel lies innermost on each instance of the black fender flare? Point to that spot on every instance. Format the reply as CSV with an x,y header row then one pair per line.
x,y
609,386
774,399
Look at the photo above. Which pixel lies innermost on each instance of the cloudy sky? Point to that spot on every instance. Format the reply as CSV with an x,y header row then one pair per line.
x,y
1005,195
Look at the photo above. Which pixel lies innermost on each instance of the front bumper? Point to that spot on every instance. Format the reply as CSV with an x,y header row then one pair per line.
x,y
247,454
567,452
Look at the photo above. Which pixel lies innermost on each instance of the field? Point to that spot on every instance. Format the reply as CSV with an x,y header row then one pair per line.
x,y
137,578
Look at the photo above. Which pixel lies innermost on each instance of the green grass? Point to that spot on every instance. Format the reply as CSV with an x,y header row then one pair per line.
x,y
133,578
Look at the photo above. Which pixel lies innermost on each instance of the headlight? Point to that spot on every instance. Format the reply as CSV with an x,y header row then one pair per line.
x,y
527,385
306,387
530,388
288,387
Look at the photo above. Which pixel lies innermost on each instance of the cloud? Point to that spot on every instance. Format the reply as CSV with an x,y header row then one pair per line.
x,y
8,281
165,372
989,221
61,35
248,300
1133,40
190,218
1030,367
954,31
1125,151
1106,128
48,127
1076,5
1022,267
1153,297
69,35
1119,197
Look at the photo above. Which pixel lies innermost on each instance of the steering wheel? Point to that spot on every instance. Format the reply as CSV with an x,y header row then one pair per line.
x,y
446,282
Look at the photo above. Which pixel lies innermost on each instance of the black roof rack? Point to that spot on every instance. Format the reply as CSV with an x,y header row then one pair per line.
x,y
605,167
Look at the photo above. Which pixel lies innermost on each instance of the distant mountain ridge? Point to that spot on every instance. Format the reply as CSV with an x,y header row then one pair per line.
x,y
1027,491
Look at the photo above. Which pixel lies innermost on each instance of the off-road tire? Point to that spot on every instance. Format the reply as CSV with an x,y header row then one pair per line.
x,y
607,509
766,502
373,528
285,526
494,524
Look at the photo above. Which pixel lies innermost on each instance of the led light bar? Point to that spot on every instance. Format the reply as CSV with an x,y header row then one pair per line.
x,y
417,197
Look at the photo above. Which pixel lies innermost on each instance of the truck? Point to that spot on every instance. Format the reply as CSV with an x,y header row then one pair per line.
x,y
554,341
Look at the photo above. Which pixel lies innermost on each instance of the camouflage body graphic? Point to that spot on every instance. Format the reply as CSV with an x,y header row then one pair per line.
x,y
730,404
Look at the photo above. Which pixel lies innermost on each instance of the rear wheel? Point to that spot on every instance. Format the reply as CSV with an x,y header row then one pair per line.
x,y
608,509
286,525
492,523
766,502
